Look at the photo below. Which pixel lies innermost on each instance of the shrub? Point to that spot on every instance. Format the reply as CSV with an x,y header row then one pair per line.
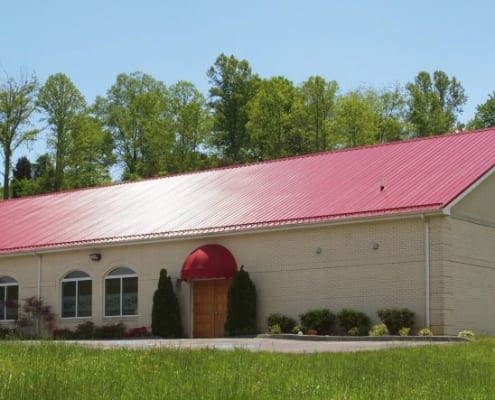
x,y
137,332
378,330
425,332
36,315
85,331
165,314
350,319
286,323
354,331
111,331
467,334
298,330
6,333
62,333
396,319
404,331
275,329
322,320
241,306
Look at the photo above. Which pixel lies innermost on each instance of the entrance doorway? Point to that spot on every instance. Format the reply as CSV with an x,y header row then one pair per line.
x,y
210,307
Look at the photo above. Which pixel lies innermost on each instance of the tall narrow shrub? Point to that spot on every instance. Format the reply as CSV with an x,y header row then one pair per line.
x,y
165,315
241,306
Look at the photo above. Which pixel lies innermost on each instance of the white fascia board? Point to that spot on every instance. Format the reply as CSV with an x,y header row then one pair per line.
x,y
448,208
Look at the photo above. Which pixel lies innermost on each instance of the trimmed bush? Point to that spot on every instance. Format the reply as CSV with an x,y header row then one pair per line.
x,y
111,331
395,319
86,330
352,319
137,332
378,330
165,314
466,334
404,331
322,320
62,334
285,323
275,329
425,332
241,306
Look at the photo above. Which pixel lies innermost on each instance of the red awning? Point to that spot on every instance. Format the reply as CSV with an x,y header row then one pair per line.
x,y
209,261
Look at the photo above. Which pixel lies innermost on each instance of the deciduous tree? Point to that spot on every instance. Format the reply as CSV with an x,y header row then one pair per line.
x,y
136,113
233,85
485,114
434,103
17,104
62,103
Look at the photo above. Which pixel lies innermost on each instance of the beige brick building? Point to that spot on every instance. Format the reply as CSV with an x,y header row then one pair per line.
x,y
409,224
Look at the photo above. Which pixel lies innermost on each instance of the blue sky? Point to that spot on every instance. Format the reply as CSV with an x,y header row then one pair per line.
x,y
376,43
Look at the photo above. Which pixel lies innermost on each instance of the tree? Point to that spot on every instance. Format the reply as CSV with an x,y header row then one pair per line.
x,y
241,305
17,104
89,154
192,124
434,103
485,114
62,103
317,99
270,120
355,123
233,85
22,172
165,314
136,114
389,106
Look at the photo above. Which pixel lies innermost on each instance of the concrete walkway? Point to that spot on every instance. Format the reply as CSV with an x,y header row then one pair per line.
x,y
258,344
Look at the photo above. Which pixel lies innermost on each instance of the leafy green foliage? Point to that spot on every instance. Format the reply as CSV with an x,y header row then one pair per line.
x,y
395,319
425,332
241,306
17,104
233,85
434,103
322,320
165,313
378,330
485,114
351,319
285,322
404,331
62,103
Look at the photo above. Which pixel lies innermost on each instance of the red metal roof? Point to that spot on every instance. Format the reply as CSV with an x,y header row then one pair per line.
x,y
418,175
210,261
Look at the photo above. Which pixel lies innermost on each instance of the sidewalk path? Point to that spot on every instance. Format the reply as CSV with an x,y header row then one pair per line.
x,y
256,344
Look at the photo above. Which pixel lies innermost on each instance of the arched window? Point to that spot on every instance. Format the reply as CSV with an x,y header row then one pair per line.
x,y
9,299
121,290
76,295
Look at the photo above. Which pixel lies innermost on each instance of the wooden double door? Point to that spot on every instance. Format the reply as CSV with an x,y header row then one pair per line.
x,y
210,307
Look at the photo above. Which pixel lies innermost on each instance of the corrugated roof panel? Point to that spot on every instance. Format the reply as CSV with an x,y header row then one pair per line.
x,y
420,174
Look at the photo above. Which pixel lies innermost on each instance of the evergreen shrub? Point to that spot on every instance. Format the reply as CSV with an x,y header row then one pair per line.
x,y
285,322
241,306
323,320
165,314
395,319
356,320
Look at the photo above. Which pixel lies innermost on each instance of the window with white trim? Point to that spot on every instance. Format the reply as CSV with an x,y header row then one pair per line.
x,y
76,295
9,299
121,290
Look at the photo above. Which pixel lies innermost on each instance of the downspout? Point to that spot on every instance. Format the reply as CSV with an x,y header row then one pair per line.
x,y
38,284
426,224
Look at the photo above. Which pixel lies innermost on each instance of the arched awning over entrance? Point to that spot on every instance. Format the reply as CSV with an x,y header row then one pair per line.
x,y
207,262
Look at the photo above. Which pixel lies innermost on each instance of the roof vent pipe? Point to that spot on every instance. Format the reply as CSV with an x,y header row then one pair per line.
x,y
382,183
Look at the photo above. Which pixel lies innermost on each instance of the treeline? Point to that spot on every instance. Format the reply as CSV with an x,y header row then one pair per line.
x,y
149,129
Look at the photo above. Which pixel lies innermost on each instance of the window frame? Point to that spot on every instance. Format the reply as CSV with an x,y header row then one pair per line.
x,y
76,280
10,282
115,275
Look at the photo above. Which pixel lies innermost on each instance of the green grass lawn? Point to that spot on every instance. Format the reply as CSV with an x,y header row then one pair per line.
x,y
53,370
